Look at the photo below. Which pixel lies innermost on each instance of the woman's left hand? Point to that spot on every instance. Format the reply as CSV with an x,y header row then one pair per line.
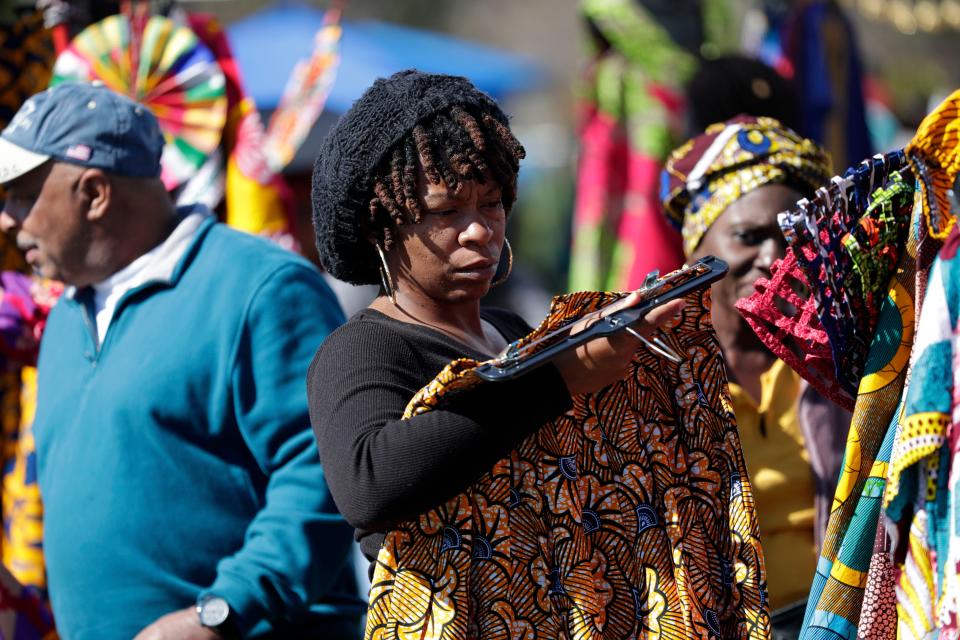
x,y
602,361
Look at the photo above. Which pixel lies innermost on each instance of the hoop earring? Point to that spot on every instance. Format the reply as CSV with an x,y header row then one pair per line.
x,y
385,278
503,279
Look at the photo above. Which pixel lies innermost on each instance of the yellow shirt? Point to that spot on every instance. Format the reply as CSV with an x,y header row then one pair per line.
x,y
782,481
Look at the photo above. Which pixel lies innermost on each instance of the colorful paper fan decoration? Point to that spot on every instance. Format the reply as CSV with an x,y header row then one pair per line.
x,y
167,68
305,94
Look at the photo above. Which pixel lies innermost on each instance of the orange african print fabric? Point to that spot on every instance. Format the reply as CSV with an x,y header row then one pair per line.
x,y
934,154
631,516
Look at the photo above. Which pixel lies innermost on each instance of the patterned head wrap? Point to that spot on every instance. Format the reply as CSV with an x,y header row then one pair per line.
x,y
729,160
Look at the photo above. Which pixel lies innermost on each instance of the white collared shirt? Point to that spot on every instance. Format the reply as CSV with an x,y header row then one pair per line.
x,y
155,264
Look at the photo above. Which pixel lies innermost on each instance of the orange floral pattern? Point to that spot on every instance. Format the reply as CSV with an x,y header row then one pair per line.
x,y
631,516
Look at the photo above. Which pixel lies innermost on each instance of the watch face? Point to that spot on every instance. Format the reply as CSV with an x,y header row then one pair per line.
x,y
213,611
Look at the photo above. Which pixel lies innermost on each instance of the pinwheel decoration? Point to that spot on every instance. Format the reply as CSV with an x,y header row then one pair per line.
x,y
163,65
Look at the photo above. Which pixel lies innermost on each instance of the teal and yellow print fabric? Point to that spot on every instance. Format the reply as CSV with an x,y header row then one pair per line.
x,y
631,516
922,490
837,593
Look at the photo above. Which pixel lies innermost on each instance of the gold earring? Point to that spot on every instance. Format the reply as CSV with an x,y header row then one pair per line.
x,y
385,279
502,279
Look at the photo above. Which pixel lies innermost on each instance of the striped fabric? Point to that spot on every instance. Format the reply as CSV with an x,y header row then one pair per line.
x,y
916,589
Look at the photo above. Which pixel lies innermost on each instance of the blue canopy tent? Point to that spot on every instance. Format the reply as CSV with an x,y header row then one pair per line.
x,y
269,43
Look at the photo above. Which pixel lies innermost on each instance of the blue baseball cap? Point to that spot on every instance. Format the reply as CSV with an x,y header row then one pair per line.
x,y
83,124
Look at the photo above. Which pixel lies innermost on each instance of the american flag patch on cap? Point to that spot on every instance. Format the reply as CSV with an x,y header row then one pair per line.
x,y
79,152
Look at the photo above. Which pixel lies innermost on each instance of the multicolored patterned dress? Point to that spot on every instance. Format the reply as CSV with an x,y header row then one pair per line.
x,y
631,516
923,477
632,118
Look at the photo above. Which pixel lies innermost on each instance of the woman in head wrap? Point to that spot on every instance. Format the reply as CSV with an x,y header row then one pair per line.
x,y
724,189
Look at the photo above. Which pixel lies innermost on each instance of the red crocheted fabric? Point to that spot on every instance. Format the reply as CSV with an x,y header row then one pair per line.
x,y
783,314
818,312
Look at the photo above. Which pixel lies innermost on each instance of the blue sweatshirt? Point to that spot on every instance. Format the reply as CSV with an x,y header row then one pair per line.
x,y
176,459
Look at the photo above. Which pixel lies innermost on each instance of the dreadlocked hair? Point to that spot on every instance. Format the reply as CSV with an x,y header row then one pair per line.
x,y
456,145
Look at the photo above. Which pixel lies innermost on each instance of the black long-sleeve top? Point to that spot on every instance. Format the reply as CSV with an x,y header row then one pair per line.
x,y
381,469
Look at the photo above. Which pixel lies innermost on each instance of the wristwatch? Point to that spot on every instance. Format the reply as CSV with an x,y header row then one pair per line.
x,y
214,613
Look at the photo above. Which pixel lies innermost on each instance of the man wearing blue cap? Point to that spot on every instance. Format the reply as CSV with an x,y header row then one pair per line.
x,y
182,488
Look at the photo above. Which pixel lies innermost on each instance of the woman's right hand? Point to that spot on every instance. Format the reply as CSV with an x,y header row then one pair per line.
x,y
602,361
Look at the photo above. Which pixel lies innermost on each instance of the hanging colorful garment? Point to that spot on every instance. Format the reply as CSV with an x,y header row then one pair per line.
x,y
878,615
875,241
934,155
918,493
631,516
948,615
305,94
797,338
836,595
258,200
820,308
917,589
928,408
821,47
632,120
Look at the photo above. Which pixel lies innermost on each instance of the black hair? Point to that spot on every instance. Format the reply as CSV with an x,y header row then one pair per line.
x,y
733,85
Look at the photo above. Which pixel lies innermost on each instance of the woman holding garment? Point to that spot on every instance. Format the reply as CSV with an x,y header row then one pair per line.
x,y
511,508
